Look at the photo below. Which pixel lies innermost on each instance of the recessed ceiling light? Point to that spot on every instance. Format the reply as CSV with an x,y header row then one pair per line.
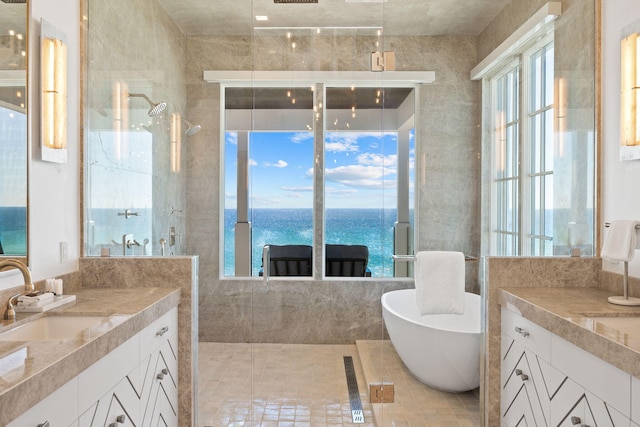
x,y
262,18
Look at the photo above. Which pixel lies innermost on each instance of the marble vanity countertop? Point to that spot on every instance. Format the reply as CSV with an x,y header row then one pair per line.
x,y
570,312
31,370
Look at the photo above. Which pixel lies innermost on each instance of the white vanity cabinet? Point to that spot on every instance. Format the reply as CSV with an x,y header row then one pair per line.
x,y
60,408
547,381
128,387
158,372
134,385
524,392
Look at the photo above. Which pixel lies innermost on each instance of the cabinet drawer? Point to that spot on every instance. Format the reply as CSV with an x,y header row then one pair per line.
x,y
604,380
532,336
60,408
103,375
158,331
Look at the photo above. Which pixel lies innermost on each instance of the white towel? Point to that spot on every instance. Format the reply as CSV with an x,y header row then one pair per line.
x,y
620,241
439,280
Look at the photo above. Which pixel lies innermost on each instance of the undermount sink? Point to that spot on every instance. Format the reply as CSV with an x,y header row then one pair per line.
x,y
61,328
629,325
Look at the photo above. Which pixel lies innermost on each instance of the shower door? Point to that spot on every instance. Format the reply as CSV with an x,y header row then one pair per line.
x,y
314,153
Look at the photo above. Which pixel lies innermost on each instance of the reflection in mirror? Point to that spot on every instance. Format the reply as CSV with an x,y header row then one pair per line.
x,y
13,129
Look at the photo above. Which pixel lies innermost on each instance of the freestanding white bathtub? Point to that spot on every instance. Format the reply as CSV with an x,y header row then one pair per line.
x,y
441,350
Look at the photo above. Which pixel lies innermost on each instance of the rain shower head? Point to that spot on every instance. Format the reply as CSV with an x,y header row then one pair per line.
x,y
191,129
155,108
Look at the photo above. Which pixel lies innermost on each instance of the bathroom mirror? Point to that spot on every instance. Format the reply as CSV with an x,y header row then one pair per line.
x,y
13,129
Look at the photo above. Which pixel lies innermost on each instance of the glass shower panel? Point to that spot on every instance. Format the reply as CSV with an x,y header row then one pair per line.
x,y
135,133
298,55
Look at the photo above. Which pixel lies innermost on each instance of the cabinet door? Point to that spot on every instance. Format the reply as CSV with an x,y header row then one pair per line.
x,y
159,397
574,406
521,398
120,407
60,408
599,413
635,400
604,380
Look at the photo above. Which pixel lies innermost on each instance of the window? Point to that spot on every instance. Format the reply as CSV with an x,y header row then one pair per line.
x,y
270,155
522,197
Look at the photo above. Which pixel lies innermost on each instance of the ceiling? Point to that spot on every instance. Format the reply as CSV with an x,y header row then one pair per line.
x,y
336,98
397,17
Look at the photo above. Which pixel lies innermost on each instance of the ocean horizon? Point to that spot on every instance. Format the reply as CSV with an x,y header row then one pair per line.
x,y
287,226
370,227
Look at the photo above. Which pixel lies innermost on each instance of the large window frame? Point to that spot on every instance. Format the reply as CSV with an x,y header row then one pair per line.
x,y
522,108
319,203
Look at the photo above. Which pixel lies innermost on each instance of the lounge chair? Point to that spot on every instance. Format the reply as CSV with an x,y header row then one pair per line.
x,y
347,261
290,260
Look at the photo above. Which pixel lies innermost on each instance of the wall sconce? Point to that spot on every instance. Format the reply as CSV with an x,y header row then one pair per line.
x,y
53,93
176,142
630,90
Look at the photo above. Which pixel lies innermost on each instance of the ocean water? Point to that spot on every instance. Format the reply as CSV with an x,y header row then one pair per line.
x,y
13,230
370,227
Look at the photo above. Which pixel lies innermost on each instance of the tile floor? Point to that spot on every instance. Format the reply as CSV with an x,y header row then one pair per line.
x,y
301,385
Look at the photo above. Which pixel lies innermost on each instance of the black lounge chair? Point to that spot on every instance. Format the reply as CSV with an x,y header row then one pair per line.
x,y
290,260
347,261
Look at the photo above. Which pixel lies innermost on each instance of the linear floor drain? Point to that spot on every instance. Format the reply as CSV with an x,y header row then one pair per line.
x,y
357,415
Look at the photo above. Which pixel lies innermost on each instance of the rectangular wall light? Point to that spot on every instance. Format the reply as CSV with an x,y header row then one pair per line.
x,y
53,94
630,90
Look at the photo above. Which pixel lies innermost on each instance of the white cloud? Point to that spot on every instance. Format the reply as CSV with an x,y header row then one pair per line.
x,y
278,164
301,137
360,176
295,195
341,147
333,190
253,162
298,189
372,159
232,138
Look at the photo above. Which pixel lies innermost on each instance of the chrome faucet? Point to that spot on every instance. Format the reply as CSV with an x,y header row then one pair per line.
x,y
10,312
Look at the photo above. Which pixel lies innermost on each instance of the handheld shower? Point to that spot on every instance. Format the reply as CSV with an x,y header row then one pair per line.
x,y
155,108
191,129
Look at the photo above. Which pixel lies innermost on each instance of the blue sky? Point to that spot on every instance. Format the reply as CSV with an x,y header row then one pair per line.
x,y
360,170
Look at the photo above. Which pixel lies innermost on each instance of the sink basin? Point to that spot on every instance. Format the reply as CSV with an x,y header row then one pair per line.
x,y
61,328
626,325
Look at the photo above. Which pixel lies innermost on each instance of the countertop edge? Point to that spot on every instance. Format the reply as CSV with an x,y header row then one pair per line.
x,y
22,396
570,327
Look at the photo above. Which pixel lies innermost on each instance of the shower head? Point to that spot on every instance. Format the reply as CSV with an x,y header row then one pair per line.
x,y
191,129
155,108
